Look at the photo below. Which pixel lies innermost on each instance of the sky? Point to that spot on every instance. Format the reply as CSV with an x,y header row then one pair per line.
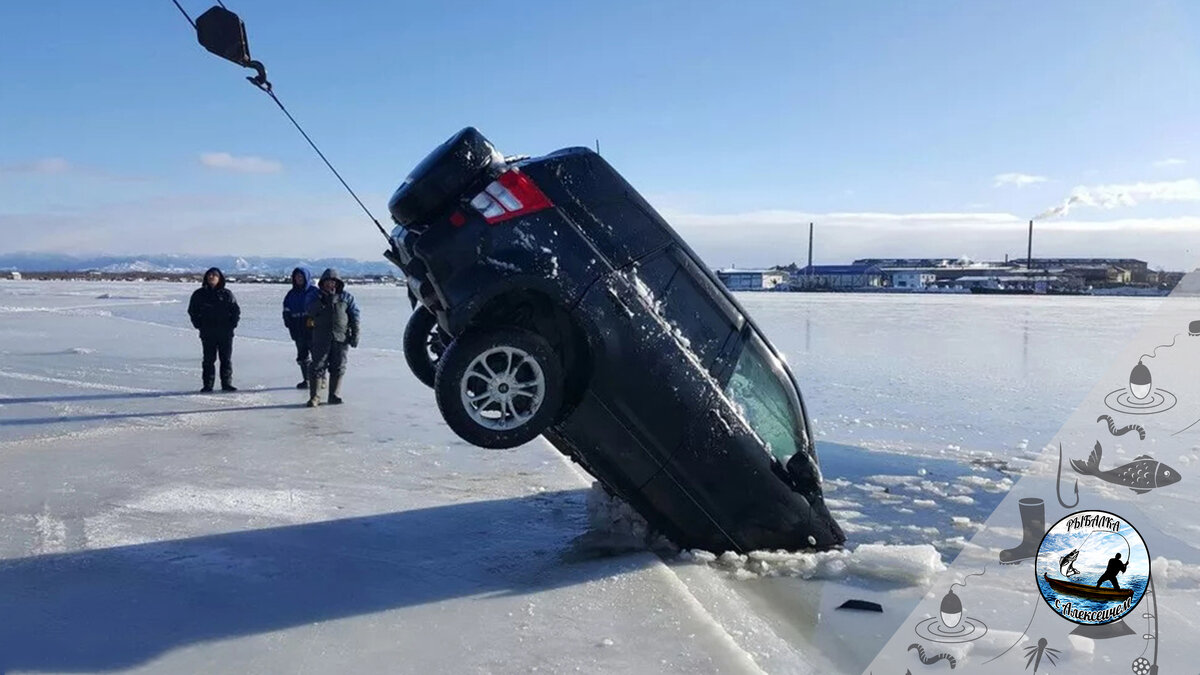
x,y
933,129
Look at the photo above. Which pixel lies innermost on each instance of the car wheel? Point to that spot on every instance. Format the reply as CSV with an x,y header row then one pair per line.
x,y
499,388
424,344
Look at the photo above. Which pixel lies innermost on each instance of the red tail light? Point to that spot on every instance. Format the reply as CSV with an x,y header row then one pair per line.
x,y
512,194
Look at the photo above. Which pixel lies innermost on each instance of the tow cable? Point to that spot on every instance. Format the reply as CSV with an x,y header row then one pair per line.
x,y
222,32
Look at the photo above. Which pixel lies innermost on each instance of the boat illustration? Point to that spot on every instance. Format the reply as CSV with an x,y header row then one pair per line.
x,y
1087,591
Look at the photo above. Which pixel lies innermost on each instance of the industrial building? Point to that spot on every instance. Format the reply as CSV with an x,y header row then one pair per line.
x,y
752,280
838,277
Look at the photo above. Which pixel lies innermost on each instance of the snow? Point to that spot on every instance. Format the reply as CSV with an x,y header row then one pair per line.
x,y
500,264
144,526
1175,574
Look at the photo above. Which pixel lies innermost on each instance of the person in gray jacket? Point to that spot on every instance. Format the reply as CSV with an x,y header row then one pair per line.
x,y
333,319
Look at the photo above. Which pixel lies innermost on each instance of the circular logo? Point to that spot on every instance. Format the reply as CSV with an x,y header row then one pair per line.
x,y
1092,567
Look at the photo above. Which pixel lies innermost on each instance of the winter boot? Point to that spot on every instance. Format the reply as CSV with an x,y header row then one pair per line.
x,y
1033,522
335,387
208,386
314,391
228,386
303,383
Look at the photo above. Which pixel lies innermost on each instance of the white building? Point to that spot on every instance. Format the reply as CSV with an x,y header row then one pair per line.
x,y
751,280
913,279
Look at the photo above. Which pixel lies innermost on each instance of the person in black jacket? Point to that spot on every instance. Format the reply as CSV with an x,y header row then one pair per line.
x,y
1115,567
215,313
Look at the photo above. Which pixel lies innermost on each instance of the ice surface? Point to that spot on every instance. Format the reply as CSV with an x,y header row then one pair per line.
x,y
146,526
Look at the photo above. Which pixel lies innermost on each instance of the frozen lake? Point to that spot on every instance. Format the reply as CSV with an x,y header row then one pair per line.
x,y
924,374
146,526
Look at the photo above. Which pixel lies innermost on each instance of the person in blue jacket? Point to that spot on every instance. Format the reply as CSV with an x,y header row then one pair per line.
x,y
295,318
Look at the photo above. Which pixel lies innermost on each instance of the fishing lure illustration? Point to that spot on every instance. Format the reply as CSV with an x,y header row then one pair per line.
x,y
932,659
1036,653
1112,428
1142,665
1141,475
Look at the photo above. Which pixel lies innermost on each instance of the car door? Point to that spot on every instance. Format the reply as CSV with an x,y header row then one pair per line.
x,y
746,463
644,388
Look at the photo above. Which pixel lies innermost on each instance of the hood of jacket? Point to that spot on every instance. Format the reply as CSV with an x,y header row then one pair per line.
x,y
306,273
220,278
332,273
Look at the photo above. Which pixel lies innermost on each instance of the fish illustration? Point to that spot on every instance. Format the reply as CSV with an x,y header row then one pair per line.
x,y
1141,475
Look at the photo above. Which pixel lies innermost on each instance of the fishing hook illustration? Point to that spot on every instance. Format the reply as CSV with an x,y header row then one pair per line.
x,y
963,583
1022,637
1058,484
1153,353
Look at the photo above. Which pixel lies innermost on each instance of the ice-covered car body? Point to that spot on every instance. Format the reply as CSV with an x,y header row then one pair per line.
x,y
669,394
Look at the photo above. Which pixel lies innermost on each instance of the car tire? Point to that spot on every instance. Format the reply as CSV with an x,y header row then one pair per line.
x,y
424,344
442,176
499,388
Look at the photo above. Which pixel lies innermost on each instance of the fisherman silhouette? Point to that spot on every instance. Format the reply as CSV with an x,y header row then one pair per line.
x,y
1115,567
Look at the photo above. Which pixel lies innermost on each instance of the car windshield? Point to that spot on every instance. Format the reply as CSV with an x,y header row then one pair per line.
x,y
757,388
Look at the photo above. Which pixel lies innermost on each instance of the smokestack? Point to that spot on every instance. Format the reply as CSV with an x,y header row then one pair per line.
x,y
810,237
1029,251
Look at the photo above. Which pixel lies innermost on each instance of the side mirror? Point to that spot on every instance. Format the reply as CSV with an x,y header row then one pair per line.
x,y
222,32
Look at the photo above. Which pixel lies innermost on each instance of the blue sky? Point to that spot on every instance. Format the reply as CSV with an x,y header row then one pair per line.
x,y
932,128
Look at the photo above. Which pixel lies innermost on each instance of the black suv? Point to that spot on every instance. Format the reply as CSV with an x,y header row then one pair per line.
x,y
554,300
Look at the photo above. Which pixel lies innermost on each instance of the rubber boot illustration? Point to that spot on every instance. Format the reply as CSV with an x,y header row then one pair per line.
x,y
1033,522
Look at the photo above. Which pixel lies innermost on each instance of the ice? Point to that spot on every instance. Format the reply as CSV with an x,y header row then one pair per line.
x,y
1175,574
144,526
905,565
987,484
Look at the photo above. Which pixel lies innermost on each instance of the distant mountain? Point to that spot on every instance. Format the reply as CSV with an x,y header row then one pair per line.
x,y
185,264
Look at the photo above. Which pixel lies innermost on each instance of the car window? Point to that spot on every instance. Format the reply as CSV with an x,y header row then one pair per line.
x,y
689,307
757,388
656,272
676,294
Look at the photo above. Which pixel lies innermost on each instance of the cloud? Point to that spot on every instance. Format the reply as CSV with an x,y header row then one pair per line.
x,y
1130,194
46,165
1170,161
1017,179
324,224
318,224
249,164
